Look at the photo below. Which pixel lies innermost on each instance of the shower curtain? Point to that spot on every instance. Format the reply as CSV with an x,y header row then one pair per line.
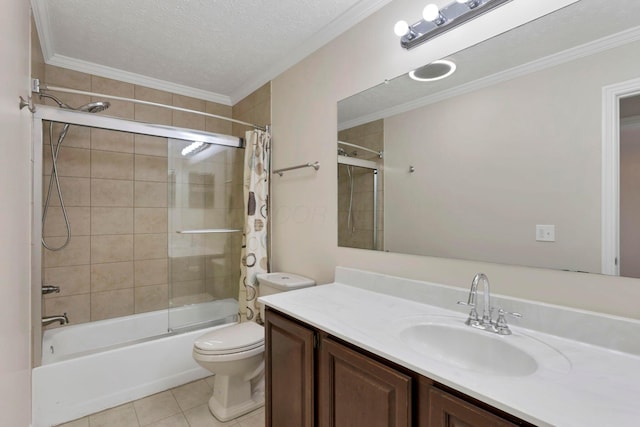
x,y
254,255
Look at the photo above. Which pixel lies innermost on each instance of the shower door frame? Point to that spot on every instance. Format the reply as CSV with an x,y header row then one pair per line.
x,y
58,115
374,167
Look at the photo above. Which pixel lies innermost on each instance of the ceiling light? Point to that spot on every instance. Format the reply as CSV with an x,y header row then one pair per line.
x,y
437,70
437,20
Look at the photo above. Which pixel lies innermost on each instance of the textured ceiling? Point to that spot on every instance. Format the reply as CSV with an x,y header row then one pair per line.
x,y
578,24
225,48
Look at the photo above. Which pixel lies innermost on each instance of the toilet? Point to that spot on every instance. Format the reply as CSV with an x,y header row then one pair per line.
x,y
235,354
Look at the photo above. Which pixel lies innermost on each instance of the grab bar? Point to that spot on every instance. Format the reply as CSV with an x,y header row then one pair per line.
x,y
315,165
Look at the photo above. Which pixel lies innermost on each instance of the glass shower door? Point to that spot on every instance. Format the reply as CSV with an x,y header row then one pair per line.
x,y
359,214
205,233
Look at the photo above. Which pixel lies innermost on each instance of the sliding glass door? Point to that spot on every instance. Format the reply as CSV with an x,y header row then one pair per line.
x,y
205,232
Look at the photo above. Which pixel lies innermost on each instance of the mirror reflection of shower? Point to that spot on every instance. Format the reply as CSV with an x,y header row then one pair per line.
x,y
359,189
92,107
349,168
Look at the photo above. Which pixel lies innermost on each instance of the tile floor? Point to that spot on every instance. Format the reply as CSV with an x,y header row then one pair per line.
x,y
183,406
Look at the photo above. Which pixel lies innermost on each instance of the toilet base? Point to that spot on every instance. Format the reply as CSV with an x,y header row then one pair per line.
x,y
223,413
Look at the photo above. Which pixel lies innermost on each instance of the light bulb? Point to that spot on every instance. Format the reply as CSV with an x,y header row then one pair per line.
x,y
401,28
431,12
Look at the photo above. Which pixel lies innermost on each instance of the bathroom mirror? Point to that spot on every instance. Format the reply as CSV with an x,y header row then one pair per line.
x,y
502,160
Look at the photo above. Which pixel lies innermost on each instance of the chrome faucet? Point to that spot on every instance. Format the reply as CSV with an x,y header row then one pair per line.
x,y
485,323
473,319
50,319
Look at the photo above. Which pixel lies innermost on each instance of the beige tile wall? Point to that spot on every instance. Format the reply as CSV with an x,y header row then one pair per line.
x,y
115,189
360,233
255,108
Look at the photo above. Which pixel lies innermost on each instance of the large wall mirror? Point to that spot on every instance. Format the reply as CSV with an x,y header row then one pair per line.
x,y
502,161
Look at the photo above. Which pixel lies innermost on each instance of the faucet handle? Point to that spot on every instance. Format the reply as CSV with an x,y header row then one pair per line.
x,y
466,303
473,314
502,312
501,323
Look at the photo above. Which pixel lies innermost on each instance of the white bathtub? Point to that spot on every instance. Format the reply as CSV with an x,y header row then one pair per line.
x,y
94,366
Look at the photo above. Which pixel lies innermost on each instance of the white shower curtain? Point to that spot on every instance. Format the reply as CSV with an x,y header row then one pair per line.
x,y
254,257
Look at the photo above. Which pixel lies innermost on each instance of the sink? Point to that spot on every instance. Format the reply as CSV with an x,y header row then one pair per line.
x,y
451,342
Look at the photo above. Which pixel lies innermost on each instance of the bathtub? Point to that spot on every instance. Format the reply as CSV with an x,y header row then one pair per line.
x,y
90,367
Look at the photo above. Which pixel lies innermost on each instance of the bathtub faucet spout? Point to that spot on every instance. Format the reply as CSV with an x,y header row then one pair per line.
x,y
50,319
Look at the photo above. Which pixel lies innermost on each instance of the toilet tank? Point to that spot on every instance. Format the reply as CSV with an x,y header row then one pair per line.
x,y
273,283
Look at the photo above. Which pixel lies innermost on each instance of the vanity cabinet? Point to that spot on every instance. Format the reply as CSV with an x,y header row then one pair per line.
x,y
313,379
357,391
290,373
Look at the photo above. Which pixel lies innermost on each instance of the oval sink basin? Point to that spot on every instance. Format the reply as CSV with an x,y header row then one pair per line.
x,y
451,342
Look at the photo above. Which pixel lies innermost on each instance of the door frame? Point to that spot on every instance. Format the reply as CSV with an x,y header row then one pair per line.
x,y
611,96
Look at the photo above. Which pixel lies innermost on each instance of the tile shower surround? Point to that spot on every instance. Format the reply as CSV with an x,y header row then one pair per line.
x,y
115,188
115,263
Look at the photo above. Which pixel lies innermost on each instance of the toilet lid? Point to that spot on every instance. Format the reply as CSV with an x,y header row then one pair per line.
x,y
232,339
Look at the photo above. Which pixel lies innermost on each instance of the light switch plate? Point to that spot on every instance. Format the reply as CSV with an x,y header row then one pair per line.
x,y
545,233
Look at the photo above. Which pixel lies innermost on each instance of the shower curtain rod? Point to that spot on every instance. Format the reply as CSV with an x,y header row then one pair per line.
x,y
38,87
378,153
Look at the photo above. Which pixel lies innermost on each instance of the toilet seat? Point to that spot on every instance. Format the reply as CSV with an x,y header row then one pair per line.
x,y
238,338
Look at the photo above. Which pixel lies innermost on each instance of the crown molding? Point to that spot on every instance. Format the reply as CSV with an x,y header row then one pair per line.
x,y
351,17
137,79
568,55
41,17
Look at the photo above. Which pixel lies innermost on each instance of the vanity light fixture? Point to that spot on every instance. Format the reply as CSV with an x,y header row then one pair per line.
x,y
437,20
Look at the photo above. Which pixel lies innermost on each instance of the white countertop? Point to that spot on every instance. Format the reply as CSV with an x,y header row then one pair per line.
x,y
584,385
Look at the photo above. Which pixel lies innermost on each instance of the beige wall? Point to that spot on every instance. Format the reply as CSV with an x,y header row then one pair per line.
x,y
492,164
15,223
304,204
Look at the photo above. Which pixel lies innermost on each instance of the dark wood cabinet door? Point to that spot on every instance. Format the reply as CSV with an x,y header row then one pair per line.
x,y
289,376
356,391
446,410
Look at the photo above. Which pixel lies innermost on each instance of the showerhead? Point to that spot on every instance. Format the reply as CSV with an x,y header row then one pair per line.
x,y
60,103
92,107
